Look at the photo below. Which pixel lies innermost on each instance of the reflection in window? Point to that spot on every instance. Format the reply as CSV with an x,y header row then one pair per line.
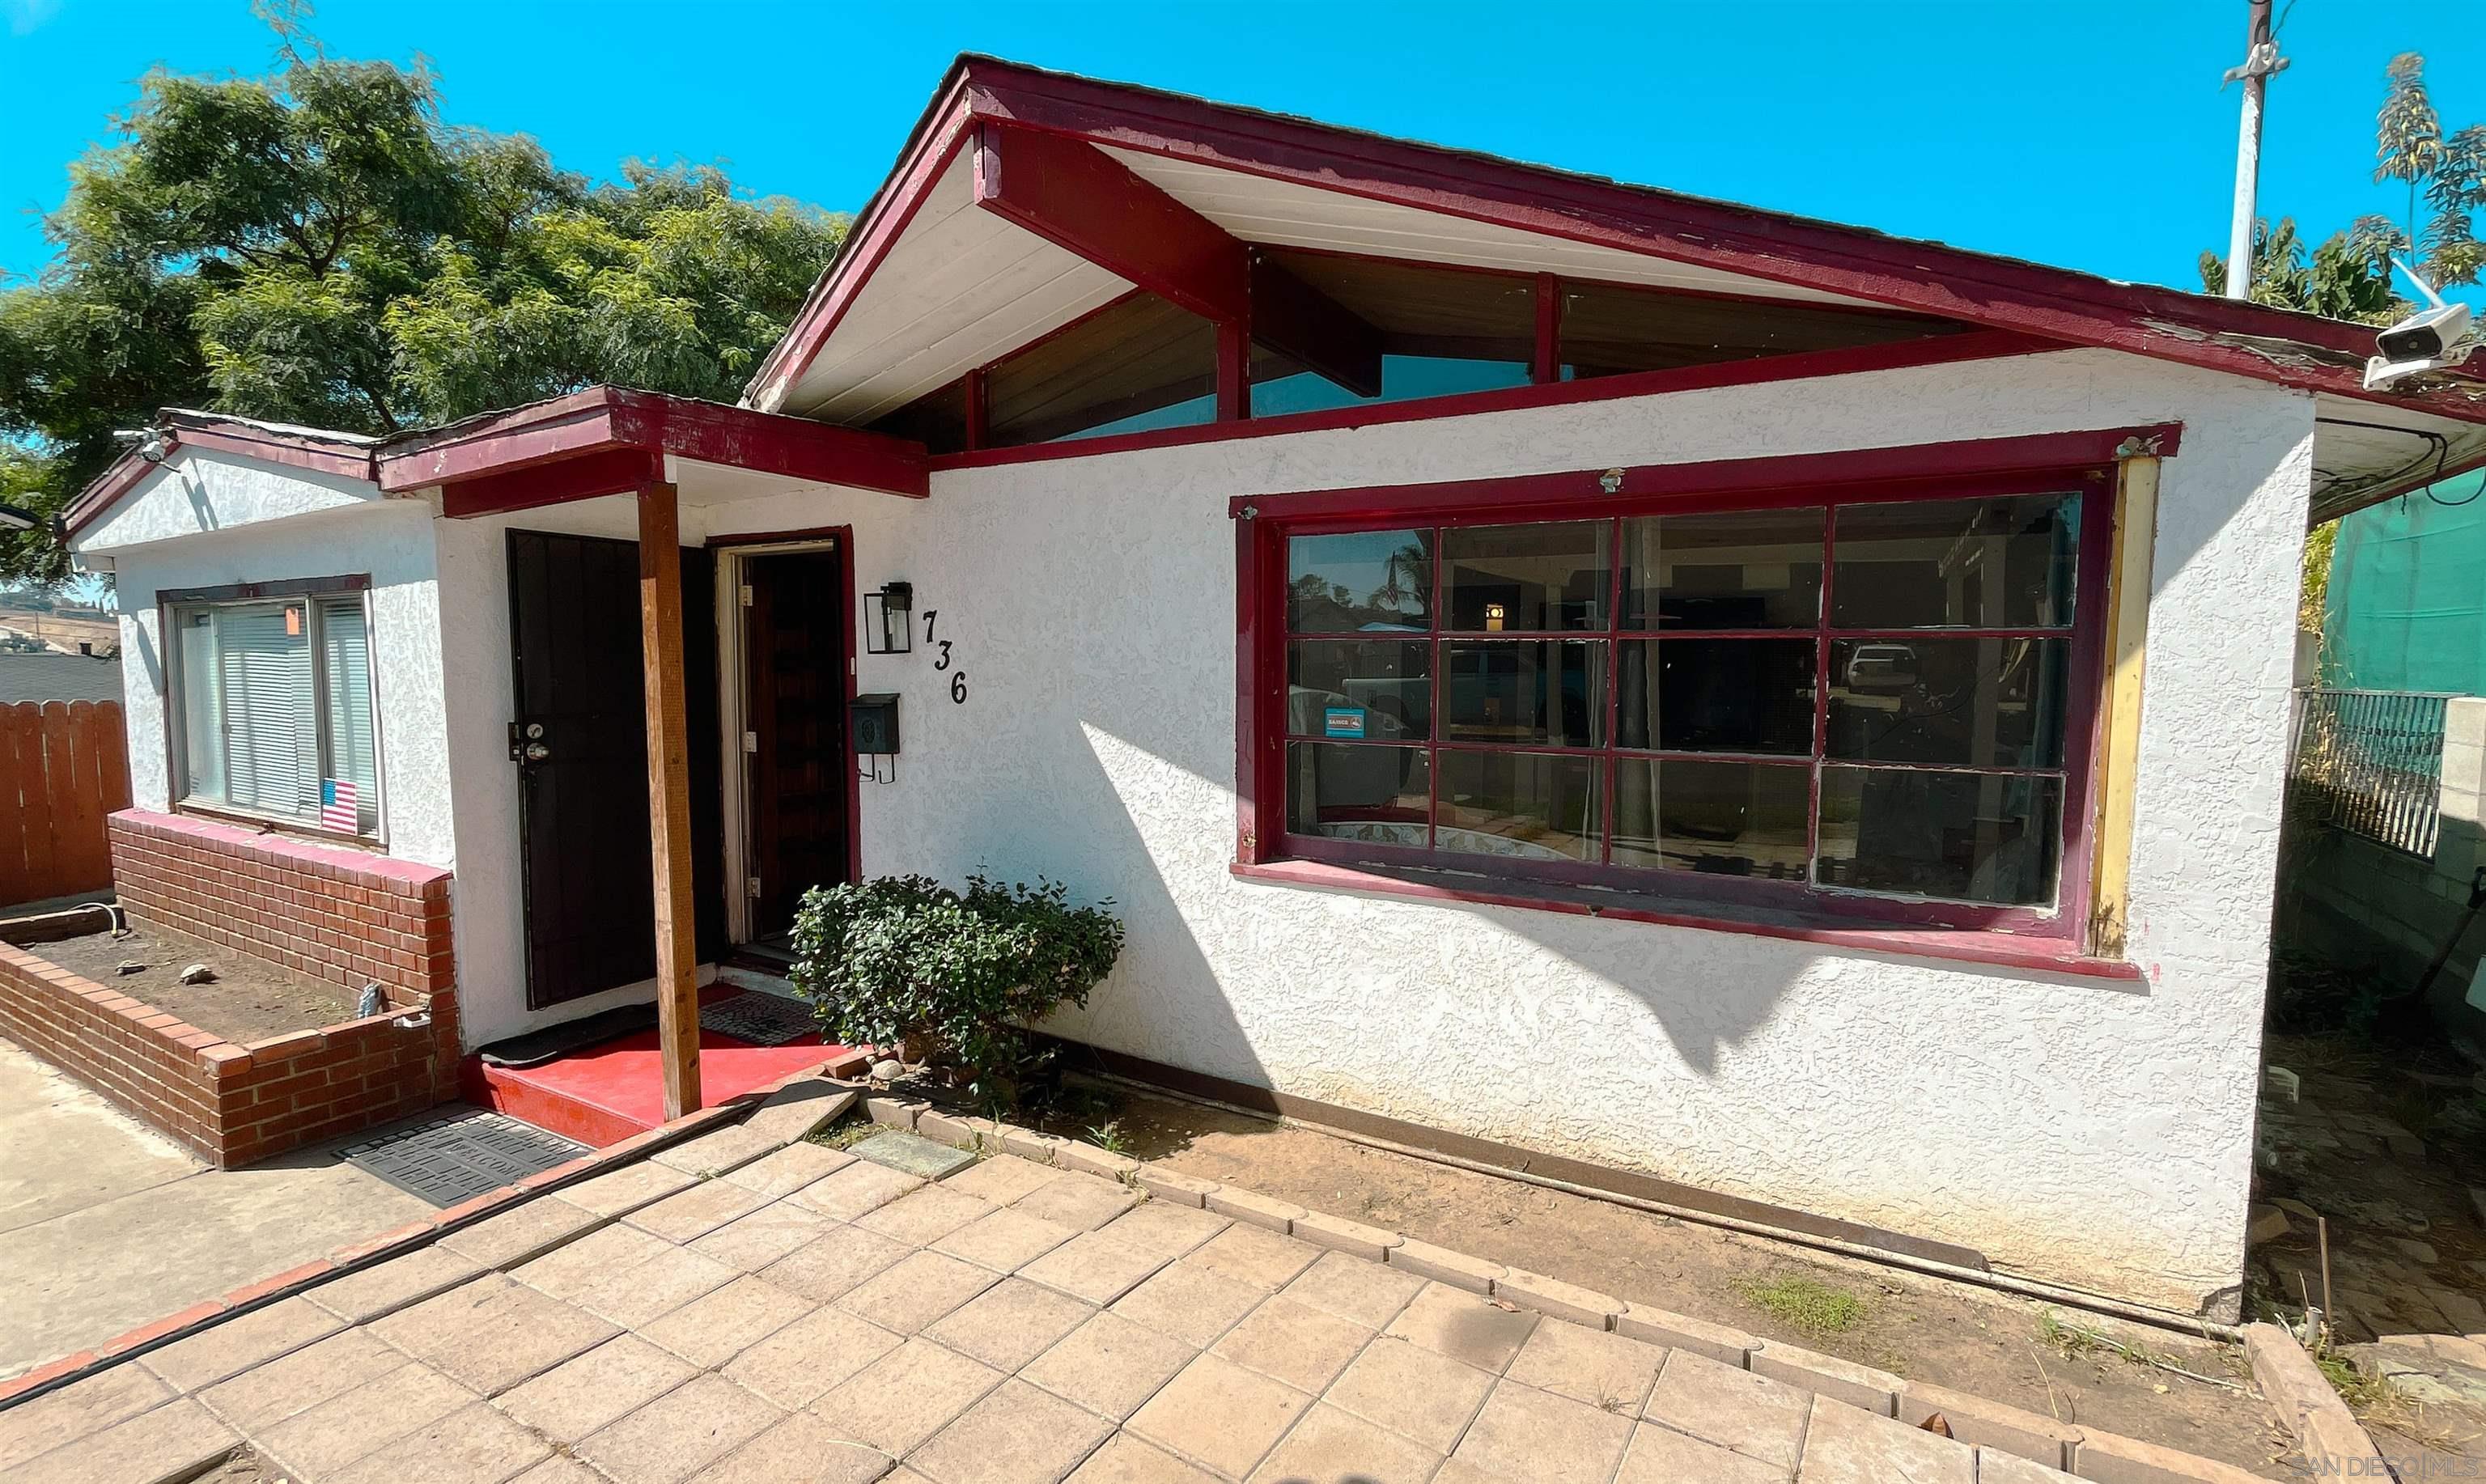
x,y
1759,570
1541,693
1728,818
1364,691
1371,580
1966,702
1136,365
1717,694
1743,726
1374,795
1609,328
2003,563
1524,806
1527,579
1962,836
1441,330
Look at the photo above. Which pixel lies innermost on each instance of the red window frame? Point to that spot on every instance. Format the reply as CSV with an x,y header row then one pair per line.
x,y
2053,464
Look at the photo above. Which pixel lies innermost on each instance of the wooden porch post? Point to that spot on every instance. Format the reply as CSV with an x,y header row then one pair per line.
x,y
668,792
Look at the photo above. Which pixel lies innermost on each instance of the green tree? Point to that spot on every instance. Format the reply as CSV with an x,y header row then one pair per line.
x,y
2349,276
319,246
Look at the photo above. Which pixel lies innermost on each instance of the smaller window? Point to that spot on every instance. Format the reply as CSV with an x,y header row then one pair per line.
x,y
1133,366
1609,329
1442,331
275,710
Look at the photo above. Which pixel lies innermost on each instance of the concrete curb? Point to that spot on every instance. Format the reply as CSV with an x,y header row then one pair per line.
x,y
372,1250
2309,1405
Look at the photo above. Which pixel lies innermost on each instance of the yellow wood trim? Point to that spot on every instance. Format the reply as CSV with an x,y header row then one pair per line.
x,y
2119,761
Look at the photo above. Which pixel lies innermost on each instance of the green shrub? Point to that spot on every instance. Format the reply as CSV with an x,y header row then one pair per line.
x,y
901,960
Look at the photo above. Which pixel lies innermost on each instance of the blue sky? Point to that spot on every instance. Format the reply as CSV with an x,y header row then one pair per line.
x,y
2094,135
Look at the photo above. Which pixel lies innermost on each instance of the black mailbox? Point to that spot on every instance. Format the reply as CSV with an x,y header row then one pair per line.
x,y
872,722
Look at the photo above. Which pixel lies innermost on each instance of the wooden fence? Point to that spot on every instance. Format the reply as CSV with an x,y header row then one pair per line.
x,y
64,766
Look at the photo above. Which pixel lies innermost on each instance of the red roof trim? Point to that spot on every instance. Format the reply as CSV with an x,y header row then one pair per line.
x,y
2304,351
607,419
599,430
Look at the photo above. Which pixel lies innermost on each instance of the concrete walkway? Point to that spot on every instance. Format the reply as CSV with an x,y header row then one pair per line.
x,y
812,1317
105,1224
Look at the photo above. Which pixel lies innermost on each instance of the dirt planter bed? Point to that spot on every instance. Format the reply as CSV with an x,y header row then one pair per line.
x,y
234,1103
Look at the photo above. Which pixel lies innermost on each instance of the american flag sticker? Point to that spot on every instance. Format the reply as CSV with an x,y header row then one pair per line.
x,y
341,805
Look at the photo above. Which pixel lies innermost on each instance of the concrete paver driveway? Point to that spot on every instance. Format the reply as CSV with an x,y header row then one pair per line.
x,y
811,1317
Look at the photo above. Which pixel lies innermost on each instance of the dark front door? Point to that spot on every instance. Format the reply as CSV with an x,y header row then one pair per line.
x,y
795,696
580,742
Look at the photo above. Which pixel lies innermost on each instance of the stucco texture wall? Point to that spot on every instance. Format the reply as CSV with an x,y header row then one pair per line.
x,y
2092,1133
210,522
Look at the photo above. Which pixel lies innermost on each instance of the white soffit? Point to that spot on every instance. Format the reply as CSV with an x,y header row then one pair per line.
x,y
1284,214
2361,445
959,288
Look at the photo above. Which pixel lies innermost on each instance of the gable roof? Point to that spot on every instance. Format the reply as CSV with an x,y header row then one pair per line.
x,y
601,440
1261,174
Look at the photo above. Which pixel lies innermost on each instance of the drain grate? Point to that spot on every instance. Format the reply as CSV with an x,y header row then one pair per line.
x,y
758,1017
461,1156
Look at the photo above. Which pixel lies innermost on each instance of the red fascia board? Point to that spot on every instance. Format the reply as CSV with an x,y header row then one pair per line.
x,y
1085,201
1804,476
322,455
1926,277
586,427
610,471
1894,355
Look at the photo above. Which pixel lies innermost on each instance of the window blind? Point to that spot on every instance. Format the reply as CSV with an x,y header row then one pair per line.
x,y
345,671
271,738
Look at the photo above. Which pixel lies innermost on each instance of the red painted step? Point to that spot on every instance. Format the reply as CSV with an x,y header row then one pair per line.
x,y
604,1093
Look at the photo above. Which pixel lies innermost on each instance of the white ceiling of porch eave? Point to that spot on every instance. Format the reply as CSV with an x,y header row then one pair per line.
x,y
1283,213
959,288
2358,446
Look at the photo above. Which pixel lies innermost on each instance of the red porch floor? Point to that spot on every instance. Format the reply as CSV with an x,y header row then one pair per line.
x,y
604,1093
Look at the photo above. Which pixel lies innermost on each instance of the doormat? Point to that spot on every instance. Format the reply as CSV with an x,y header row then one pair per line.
x,y
537,1047
461,1156
760,1017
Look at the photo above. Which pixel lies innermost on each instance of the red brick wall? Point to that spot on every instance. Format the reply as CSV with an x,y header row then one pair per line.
x,y
344,916
347,917
233,1105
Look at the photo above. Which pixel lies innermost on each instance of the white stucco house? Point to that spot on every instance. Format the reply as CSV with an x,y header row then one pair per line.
x,y
1739,708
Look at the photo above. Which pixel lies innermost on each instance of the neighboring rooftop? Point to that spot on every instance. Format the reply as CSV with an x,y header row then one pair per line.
x,y
58,677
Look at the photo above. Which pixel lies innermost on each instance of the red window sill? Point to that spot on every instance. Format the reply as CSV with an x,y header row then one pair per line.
x,y
1999,949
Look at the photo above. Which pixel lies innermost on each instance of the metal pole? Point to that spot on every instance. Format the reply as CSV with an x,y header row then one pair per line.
x,y
2261,59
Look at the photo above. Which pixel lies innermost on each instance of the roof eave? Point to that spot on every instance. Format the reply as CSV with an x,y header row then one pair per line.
x,y
2304,351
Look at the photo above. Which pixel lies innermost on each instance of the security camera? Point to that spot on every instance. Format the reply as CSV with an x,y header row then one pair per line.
x,y
2431,339
150,442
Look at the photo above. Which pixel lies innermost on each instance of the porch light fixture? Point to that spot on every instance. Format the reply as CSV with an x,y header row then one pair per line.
x,y
889,620
1494,614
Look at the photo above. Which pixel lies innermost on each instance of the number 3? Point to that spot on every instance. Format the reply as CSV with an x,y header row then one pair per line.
x,y
943,663
959,688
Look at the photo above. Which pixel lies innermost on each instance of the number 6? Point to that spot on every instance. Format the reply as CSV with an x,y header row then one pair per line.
x,y
959,688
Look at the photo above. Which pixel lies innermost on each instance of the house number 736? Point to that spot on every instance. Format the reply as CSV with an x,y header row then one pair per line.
x,y
957,678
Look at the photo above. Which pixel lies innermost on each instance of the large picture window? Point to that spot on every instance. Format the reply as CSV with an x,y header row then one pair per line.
x,y
273,710
1815,698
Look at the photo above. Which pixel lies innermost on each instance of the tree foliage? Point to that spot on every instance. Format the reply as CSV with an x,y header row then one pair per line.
x,y
317,246
2349,275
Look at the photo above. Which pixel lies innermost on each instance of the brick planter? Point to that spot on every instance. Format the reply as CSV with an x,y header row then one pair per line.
x,y
344,916
231,1104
